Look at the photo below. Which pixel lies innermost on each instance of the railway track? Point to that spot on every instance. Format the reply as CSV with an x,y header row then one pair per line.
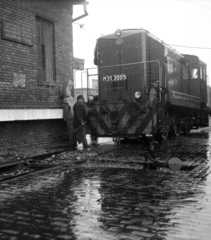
x,y
16,169
102,156
23,169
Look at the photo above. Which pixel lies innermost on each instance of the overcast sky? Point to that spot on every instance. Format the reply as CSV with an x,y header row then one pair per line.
x,y
178,22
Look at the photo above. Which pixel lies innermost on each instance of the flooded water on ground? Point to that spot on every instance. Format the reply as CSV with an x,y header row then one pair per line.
x,y
106,204
113,203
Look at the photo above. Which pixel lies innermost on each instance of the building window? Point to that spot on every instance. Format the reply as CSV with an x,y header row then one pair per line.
x,y
46,71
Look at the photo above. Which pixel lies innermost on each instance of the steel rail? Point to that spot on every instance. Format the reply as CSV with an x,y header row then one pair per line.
x,y
41,168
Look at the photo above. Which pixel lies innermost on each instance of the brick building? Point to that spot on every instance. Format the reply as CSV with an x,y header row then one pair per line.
x,y
36,52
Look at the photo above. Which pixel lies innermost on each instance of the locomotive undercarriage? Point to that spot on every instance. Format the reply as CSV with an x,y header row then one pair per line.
x,y
185,119
129,120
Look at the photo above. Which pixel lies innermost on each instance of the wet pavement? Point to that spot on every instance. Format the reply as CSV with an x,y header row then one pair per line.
x,y
112,198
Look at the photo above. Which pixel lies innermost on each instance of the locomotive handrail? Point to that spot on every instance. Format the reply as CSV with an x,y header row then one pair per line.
x,y
125,64
86,70
161,83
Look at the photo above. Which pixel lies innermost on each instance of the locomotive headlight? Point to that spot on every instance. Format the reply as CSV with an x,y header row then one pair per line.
x,y
137,94
118,33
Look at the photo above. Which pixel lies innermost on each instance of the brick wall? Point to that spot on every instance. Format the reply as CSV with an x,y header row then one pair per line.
x,y
20,59
17,58
40,133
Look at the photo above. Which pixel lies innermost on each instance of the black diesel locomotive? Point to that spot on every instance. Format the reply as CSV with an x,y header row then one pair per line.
x,y
146,87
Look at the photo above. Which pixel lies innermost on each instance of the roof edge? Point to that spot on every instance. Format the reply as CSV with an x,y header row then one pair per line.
x,y
80,2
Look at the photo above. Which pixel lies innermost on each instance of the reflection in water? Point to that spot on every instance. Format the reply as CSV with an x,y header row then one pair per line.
x,y
151,201
43,182
87,210
113,204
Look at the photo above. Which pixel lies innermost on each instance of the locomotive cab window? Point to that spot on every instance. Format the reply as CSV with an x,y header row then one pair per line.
x,y
194,73
205,74
202,72
184,73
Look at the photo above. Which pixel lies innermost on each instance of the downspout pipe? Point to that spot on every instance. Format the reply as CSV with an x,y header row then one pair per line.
x,y
85,12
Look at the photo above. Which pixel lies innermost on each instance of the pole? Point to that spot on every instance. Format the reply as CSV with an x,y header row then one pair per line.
x,y
87,78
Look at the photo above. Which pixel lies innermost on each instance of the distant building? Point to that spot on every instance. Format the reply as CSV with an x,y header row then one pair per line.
x,y
36,52
94,83
78,63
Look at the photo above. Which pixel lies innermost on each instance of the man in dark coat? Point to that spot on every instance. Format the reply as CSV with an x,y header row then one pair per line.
x,y
80,114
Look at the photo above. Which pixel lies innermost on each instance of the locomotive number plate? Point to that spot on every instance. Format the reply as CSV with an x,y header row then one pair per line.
x,y
115,77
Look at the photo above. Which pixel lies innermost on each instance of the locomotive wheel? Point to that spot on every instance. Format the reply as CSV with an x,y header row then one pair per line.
x,y
161,135
186,129
164,134
176,127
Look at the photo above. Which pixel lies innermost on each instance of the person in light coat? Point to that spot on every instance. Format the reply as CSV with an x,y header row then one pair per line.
x,y
68,116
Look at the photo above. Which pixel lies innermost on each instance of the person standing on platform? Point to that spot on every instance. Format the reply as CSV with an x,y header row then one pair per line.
x,y
69,101
80,114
